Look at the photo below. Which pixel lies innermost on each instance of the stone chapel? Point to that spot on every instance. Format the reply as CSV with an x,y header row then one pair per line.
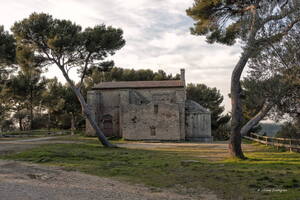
x,y
148,110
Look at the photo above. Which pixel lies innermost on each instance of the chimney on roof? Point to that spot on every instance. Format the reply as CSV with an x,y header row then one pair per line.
x,y
182,74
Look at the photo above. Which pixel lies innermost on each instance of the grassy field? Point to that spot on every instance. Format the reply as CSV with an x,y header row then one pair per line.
x,y
267,174
33,133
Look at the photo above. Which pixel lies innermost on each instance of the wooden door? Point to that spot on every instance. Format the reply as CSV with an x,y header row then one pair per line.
x,y
107,125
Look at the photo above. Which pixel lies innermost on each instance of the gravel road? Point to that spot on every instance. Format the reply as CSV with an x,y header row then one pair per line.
x,y
27,181
24,181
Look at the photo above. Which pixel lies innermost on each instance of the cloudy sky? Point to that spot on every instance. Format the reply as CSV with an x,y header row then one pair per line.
x,y
156,32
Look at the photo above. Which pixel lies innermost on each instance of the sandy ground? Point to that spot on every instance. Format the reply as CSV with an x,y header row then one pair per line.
x,y
25,181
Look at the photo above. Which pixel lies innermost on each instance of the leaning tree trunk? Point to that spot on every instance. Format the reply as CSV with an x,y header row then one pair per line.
x,y
86,110
88,114
256,119
235,141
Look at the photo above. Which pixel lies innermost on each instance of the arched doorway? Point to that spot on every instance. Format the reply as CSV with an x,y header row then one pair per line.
x,y
107,125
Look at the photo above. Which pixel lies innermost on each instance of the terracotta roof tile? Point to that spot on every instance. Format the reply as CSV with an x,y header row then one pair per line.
x,y
139,84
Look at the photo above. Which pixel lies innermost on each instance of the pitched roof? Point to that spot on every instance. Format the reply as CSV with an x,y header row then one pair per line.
x,y
139,84
193,106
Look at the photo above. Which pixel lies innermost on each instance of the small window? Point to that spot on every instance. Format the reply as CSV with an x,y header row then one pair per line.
x,y
152,131
134,119
156,109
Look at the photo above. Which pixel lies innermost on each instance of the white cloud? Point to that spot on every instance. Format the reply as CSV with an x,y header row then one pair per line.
x,y
156,32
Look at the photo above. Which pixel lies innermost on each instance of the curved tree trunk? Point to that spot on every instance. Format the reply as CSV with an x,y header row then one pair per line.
x,y
235,141
256,119
88,114
86,110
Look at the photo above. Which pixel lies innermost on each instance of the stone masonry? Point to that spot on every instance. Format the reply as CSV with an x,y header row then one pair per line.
x,y
148,110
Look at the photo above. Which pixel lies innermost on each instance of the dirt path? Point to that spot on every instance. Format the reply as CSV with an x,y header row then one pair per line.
x,y
25,181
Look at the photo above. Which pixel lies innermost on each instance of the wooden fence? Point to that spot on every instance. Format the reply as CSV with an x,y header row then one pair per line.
x,y
288,143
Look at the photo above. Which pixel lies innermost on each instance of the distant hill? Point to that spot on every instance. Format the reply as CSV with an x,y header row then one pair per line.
x,y
270,128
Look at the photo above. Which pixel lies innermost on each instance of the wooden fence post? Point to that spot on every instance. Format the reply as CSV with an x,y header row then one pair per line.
x,y
278,142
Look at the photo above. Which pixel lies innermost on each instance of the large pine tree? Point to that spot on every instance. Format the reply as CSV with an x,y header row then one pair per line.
x,y
256,24
64,44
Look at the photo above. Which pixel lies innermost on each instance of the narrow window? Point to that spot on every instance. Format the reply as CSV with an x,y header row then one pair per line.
x,y
156,109
152,131
134,119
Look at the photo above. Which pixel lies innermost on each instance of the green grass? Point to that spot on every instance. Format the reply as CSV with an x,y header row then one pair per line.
x,y
267,174
22,135
39,132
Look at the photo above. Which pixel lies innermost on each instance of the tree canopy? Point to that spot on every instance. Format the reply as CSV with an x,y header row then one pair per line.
x,y
257,24
226,21
64,44
7,57
280,60
95,76
7,47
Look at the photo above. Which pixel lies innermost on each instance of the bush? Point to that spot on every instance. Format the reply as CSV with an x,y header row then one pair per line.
x,y
6,125
222,132
39,122
289,130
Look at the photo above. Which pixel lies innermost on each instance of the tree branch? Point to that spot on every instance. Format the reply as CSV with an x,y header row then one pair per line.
x,y
84,70
278,36
284,4
256,119
278,54
278,17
